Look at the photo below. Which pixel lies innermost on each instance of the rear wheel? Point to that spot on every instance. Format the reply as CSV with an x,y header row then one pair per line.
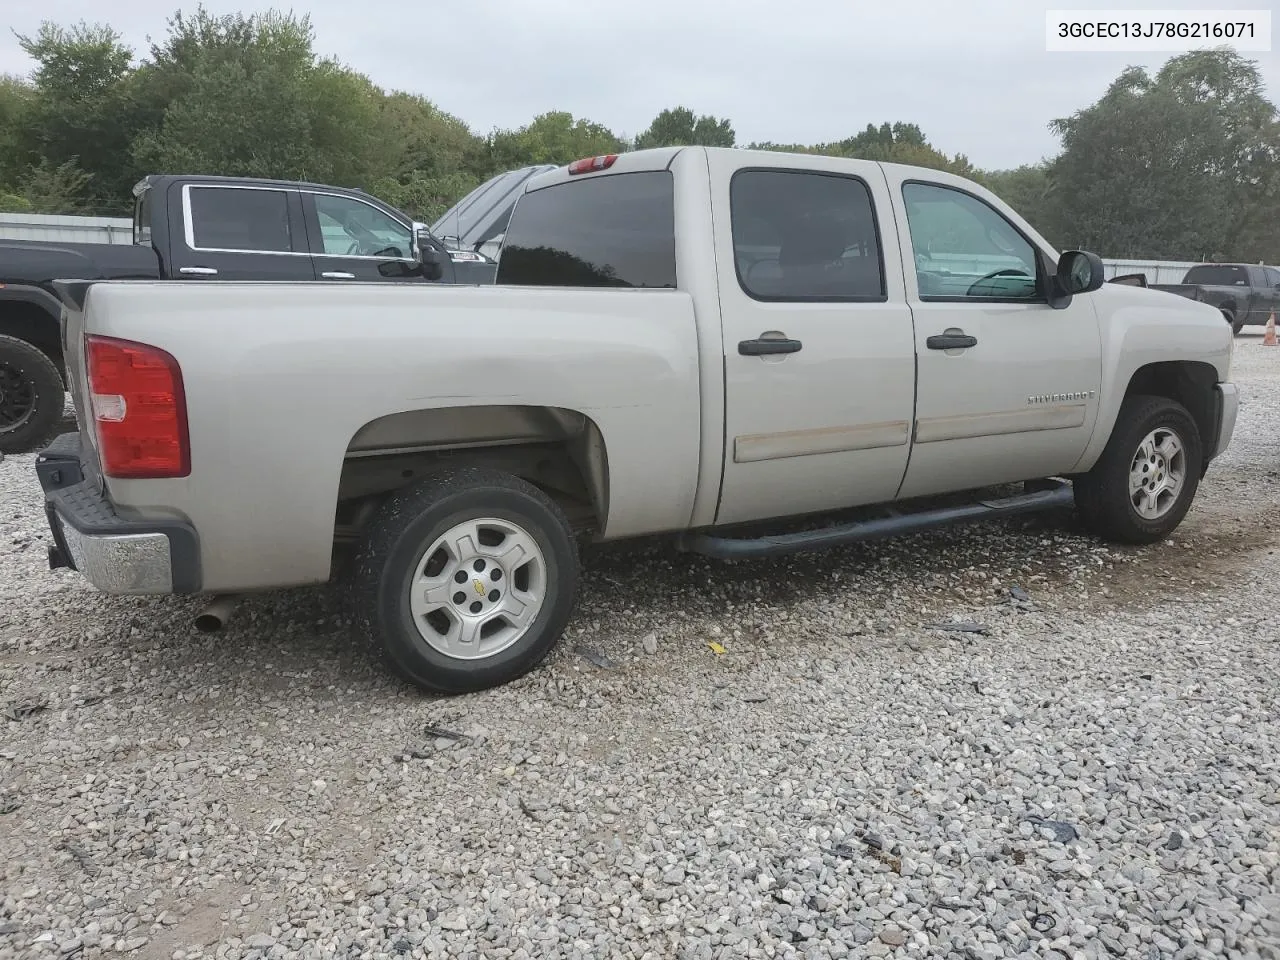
x,y
1236,325
466,580
32,397
1143,484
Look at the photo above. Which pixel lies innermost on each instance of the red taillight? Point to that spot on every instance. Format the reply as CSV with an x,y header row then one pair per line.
x,y
139,409
589,164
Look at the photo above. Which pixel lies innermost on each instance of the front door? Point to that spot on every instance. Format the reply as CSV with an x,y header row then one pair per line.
x,y
818,347
1007,386
353,240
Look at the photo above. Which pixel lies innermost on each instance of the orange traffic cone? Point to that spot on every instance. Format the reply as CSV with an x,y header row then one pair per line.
x,y
1270,339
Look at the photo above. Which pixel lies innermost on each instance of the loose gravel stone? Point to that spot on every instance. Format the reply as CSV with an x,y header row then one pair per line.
x,y
847,779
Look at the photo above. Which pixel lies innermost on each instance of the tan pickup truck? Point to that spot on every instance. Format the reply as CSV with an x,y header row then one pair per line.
x,y
679,341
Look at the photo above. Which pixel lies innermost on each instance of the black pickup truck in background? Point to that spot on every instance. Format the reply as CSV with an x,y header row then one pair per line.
x,y
203,228
1244,293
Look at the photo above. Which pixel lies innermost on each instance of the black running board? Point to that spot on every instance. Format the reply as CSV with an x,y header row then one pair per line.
x,y
728,548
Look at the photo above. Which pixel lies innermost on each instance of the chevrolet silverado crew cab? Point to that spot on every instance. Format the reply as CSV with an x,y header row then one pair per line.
x,y
683,341
209,229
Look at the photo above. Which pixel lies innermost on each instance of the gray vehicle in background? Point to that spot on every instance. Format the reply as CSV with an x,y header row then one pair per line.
x,y
478,221
1244,293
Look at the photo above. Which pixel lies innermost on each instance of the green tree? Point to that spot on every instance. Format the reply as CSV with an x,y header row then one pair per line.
x,y
1029,190
247,96
679,126
431,157
554,137
887,143
80,111
16,96
900,143
60,189
1177,166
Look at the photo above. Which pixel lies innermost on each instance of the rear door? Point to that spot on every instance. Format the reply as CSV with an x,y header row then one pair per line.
x,y
819,353
236,232
354,240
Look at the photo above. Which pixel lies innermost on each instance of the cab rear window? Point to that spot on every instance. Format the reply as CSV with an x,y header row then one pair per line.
x,y
1218,275
607,231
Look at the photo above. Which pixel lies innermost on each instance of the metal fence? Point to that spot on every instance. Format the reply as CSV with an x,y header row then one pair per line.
x,y
1156,271
36,226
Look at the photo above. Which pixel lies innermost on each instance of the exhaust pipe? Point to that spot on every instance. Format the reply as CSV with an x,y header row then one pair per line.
x,y
217,613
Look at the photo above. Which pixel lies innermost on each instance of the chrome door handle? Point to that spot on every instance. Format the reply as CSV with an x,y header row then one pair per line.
x,y
199,271
338,275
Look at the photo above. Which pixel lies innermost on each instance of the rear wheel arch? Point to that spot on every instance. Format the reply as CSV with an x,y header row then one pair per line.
x,y
560,451
33,316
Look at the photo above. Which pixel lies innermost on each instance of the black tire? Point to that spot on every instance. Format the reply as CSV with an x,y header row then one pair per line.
x,y
1236,325
1102,495
405,527
32,397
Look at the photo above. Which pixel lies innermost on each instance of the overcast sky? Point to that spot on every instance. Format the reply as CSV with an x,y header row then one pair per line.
x,y
974,74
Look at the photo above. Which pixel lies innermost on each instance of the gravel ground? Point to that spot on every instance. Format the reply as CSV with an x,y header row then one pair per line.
x,y
1094,774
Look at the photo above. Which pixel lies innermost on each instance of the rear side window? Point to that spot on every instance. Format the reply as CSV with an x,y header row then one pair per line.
x,y
800,236
1273,276
239,219
1218,275
611,231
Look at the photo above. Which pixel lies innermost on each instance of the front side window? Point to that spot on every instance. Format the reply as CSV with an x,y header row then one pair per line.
x,y
964,249
616,230
240,219
351,228
801,236
1273,276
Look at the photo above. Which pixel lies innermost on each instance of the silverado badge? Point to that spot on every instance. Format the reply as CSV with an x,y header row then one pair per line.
x,y
1060,397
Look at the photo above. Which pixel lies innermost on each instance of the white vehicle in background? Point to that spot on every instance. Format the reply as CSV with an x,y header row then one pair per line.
x,y
680,341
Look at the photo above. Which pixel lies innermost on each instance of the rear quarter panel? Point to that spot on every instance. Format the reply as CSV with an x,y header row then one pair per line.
x,y
280,377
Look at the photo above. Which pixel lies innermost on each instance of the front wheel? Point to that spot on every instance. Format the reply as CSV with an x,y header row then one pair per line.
x,y
466,580
1143,484
1236,325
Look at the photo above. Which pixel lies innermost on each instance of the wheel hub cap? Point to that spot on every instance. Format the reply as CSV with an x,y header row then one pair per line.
x,y
1157,473
478,588
17,398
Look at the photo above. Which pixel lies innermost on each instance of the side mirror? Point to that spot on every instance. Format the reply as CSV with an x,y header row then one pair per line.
x,y
429,259
1079,272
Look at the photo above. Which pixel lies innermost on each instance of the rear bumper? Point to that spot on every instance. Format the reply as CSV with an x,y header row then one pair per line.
x,y
115,554
1228,408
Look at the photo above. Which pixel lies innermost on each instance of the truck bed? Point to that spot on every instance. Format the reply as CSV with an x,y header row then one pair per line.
x,y
36,262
